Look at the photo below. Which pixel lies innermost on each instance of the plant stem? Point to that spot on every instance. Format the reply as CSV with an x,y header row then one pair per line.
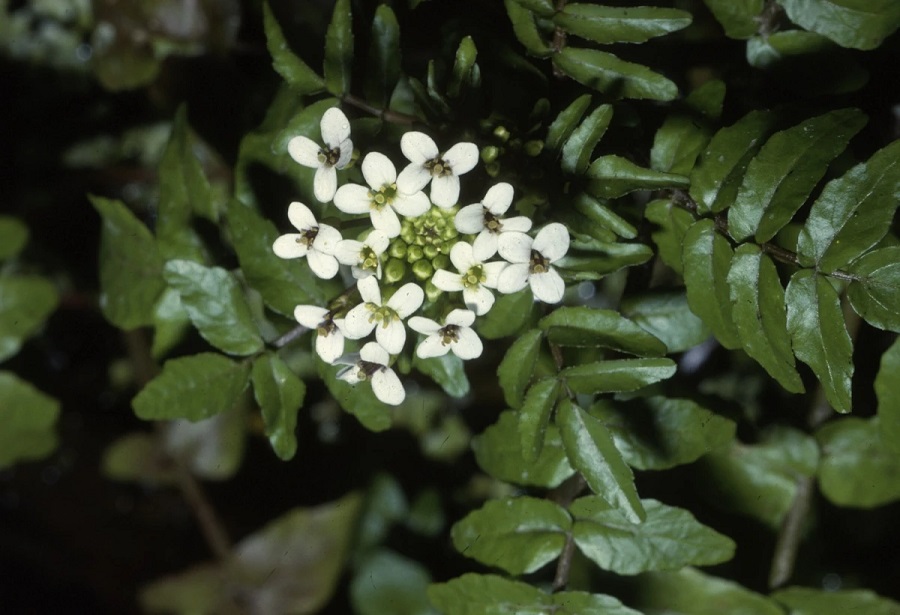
x,y
394,117
791,534
559,41
564,495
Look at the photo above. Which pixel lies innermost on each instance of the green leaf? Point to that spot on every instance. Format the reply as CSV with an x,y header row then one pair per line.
x,y
610,177
338,64
192,388
738,17
566,121
515,370
617,256
385,505
383,68
769,50
584,326
808,601
138,457
279,394
607,24
519,535
170,323
819,337
508,316
707,259
668,317
498,452
606,73
857,24
684,134
668,539
25,303
447,371
617,376
858,468
690,592
212,449
790,164
461,74
215,303
534,417
598,213
717,176
656,433
300,77
358,400
853,213
27,421
875,294
591,450
578,148
13,237
759,314
130,266
526,30
669,238
386,582
887,390
544,8
760,480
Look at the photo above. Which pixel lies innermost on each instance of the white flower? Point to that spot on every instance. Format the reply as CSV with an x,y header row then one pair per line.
x,y
335,155
455,335
484,217
531,260
385,318
383,201
475,276
372,364
363,256
329,337
442,170
314,241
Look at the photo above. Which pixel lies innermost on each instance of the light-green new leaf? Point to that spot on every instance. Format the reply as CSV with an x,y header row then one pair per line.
x,y
28,418
279,393
517,367
607,24
584,326
338,66
875,294
300,77
25,303
606,73
887,390
849,23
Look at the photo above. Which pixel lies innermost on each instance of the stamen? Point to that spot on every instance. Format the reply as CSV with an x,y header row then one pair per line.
x,y
539,263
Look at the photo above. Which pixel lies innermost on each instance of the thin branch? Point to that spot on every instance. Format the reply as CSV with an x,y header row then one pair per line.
x,y
559,41
564,495
791,534
394,117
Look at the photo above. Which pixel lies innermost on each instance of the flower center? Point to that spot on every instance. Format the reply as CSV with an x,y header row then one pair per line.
x,y
438,167
308,236
539,263
449,334
366,369
368,260
492,222
326,327
474,277
381,314
383,196
329,157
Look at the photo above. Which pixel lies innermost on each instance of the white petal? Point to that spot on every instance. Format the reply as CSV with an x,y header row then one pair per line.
x,y
484,247
369,291
498,198
335,127
432,346
329,347
386,221
288,246
304,151
515,247
301,216
372,352
548,287
378,170
413,178
407,299
470,219
325,266
378,241
479,299
420,324
356,323
462,157
411,205
460,318
521,224
552,241
461,256
387,387
347,251
326,239
392,337
445,190
513,279
489,239
360,274
418,147
469,345
349,374
353,199
492,271
325,183
348,359
446,281
346,154
309,316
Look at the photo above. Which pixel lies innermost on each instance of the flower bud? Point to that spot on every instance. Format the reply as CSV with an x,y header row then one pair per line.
x,y
533,148
430,251
490,153
432,292
394,270
397,249
441,261
414,254
501,133
422,269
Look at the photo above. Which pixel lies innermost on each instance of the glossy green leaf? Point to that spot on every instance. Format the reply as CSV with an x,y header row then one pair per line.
x,y
616,255
517,367
606,73
819,337
858,24
656,433
767,51
787,168
607,24
25,303
610,177
738,17
584,326
130,266
27,421
170,323
383,67
192,388
13,237
617,376
300,77
858,468
853,213
519,535
386,582
215,303
461,73
566,121
760,316
809,601
673,222
358,400
690,592
668,539
279,393
760,480
592,452
684,134
498,452
508,316
602,215
887,390
707,259
668,317
448,371
534,416
578,148
875,294
138,457
526,30
719,171
338,64
211,449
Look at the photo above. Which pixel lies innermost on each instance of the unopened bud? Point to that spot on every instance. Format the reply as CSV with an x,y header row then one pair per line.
x,y
492,169
394,270
414,254
430,251
441,261
398,249
501,133
422,269
533,148
432,292
490,153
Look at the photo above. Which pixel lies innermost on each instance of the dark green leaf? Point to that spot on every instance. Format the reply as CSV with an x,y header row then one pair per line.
x,y
566,121
738,17
300,77
211,449
130,267
591,450
669,238
338,64
853,213
193,388
617,376
780,178
534,417
808,601
28,420
607,24
584,326
139,457
358,400
759,314
508,316
519,535
606,73
526,29
426,514
875,295
461,73
386,582
383,68
858,468
170,323
690,592
25,303
667,316
447,371
815,322
668,539
577,150
279,394
617,256
385,505
887,390
13,237
849,23
597,212
215,303
683,135
516,368
610,177
767,51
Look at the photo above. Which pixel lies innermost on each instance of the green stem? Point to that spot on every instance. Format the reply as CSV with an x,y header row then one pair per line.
x,y
394,117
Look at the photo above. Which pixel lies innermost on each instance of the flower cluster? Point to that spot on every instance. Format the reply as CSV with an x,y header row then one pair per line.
x,y
422,254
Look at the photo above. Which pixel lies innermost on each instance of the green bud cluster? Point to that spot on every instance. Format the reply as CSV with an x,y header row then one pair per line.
x,y
424,244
